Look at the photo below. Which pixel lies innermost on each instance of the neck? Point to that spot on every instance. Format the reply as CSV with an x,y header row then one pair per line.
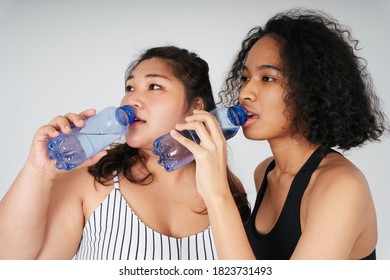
x,y
290,156
186,173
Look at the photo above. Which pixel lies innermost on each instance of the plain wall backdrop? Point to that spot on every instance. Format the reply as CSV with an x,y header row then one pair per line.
x,y
67,56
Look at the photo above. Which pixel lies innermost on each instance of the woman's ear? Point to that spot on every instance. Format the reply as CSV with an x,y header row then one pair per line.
x,y
198,104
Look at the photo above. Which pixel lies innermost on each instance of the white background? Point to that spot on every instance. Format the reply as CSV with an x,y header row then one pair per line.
x,y
66,56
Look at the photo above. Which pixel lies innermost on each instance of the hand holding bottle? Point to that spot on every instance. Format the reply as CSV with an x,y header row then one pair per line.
x,y
209,154
24,210
172,155
98,132
38,157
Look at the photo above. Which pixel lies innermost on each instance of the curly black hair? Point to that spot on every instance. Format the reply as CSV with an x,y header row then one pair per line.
x,y
329,89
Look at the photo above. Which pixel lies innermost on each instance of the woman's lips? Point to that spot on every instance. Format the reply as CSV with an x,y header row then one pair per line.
x,y
137,122
252,117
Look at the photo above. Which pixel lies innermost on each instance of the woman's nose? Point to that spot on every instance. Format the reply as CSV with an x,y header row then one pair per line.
x,y
133,99
247,93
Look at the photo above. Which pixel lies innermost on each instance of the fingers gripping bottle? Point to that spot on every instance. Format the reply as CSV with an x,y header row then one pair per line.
x,y
99,131
173,155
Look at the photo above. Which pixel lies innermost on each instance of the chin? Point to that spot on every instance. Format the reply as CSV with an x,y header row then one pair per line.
x,y
138,143
254,136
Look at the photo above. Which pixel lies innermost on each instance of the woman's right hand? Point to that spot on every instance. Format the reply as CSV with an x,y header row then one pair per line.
x,y
209,154
38,157
24,210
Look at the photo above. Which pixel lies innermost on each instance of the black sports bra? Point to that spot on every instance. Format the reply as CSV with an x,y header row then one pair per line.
x,y
280,242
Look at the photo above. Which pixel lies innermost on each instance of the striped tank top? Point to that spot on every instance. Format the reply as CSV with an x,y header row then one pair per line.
x,y
115,232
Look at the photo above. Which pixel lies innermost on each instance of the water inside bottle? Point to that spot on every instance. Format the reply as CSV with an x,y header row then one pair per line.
x,y
230,132
70,151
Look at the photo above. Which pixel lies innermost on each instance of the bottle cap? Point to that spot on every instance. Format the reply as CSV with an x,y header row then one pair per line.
x,y
237,115
125,115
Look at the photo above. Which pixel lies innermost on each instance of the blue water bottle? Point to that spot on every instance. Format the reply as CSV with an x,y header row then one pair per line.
x,y
173,155
99,131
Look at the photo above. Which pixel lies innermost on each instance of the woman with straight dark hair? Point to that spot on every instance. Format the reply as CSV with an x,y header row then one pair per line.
x,y
125,205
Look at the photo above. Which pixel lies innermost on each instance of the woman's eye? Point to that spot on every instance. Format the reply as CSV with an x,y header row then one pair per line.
x,y
268,79
129,88
154,87
244,79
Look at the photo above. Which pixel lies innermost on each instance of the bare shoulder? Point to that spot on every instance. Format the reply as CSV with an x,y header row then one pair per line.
x,y
72,193
75,182
69,190
337,174
337,215
260,170
337,181
78,187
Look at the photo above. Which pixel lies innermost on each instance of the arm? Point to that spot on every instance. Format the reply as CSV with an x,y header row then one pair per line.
x,y
65,215
24,208
23,214
228,229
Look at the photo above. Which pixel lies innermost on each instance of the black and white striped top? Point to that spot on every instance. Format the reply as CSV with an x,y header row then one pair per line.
x,y
115,232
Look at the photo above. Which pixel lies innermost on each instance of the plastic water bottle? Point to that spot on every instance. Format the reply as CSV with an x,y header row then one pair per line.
x,y
99,131
173,155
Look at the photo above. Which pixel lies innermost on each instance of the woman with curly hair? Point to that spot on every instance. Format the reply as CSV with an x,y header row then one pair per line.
x,y
307,92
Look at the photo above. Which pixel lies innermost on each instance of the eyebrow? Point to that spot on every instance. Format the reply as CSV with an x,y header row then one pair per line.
x,y
151,76
265,66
